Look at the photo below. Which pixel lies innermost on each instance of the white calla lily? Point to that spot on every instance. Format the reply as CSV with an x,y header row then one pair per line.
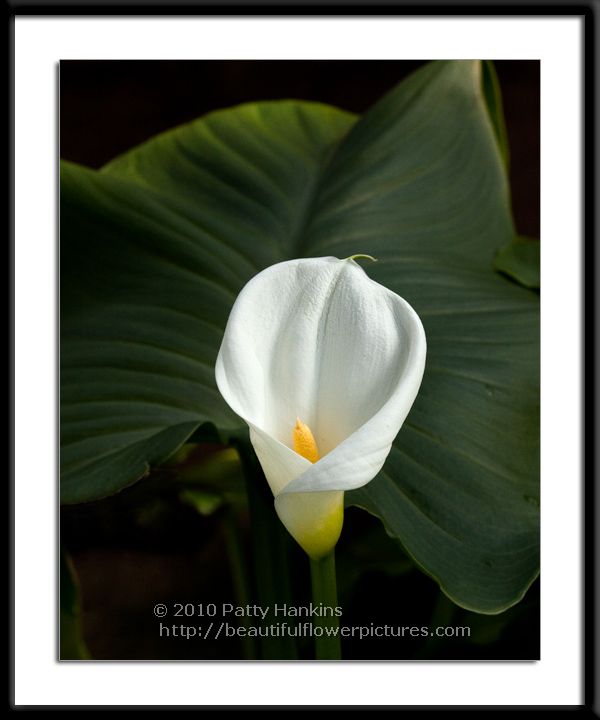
x,y
323,364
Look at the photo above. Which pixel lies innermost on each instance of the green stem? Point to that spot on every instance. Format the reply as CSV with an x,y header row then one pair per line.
x,y
241,584
270,550
324,591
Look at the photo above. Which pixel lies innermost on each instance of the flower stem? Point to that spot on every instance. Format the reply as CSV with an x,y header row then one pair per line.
x,y
235,550
324,591
270,550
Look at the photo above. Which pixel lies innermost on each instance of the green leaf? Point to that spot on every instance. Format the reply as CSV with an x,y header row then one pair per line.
x,y
493,98
520,260
367,549
153,253
460,488
205,503
156,246
209,479
72,646
209,470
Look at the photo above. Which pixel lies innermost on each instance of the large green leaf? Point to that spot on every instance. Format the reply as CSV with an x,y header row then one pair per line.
x,y
520,260
493,99
153,254
155,247
460,487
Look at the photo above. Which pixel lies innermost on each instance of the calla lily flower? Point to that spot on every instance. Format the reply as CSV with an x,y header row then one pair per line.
x,y
323,364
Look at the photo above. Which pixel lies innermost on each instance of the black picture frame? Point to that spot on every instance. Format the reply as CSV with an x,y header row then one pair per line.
x,y
236,8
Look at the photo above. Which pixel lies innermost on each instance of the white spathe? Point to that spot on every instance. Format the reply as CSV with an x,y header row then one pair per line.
x,y
317,339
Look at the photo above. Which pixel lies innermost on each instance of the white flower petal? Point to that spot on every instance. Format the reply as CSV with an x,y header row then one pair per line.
x,y
319,340
280,464
359,457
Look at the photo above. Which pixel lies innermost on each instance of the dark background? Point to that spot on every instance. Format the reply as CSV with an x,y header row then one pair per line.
x,y
108,107
144,545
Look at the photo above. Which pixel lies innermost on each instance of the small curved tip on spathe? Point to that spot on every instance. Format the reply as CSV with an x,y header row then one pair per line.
x,y
361,255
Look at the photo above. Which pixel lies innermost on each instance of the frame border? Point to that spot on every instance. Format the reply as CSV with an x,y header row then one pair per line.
x,y
588,10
